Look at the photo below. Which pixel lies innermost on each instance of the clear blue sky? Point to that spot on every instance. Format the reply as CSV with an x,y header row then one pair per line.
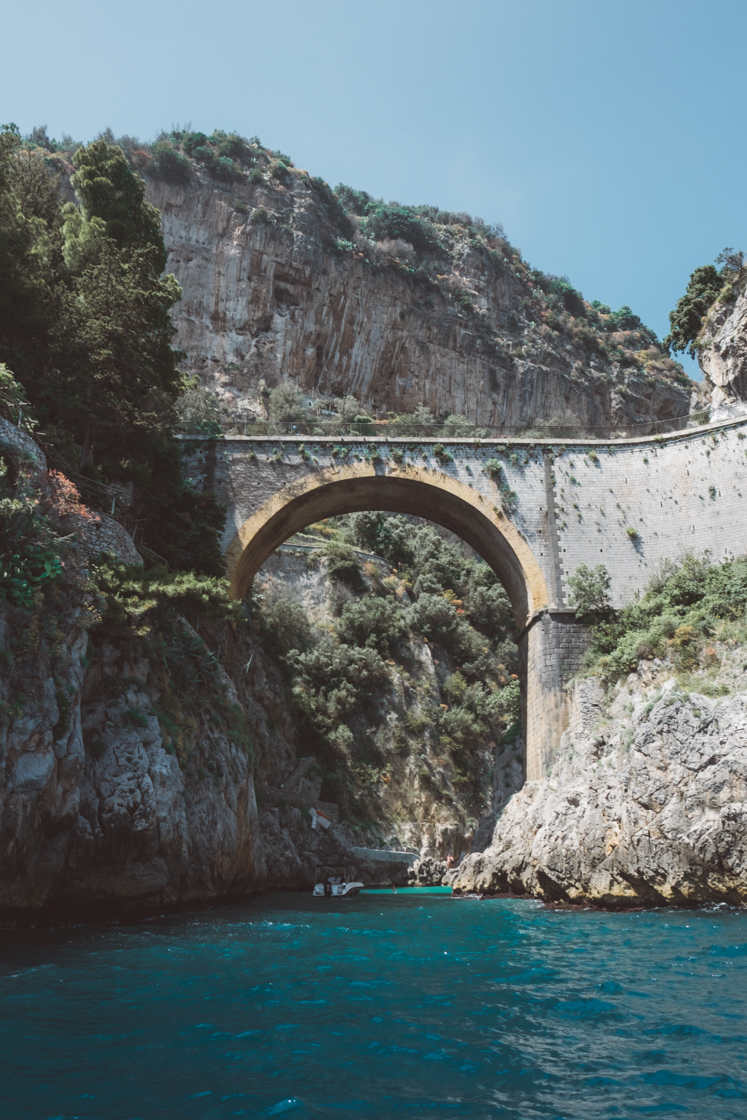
x,y
608,138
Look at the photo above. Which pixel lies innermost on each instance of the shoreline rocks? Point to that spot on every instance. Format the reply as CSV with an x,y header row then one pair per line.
x,y
646,808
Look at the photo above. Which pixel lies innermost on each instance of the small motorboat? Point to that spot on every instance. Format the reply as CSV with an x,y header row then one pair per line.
x,y
335,882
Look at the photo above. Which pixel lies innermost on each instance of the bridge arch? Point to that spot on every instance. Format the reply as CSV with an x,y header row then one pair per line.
x,y
547,639
433,495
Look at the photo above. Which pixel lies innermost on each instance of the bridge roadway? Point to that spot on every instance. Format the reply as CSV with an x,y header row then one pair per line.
x,y
533,509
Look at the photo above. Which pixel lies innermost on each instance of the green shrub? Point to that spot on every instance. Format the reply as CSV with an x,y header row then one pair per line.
x,y
197,410
434,618
457,426
13,402
286,625
494,468
29,551
374,623
463,726
416,721
357,202
333,207
342,563
386,535
169,164
385,222
129,595
333,682
455,687
686,320
285,404
488,606
684,605
590,592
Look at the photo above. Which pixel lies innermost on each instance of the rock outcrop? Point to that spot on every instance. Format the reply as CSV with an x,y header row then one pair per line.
x,y
427,872
98,804
722,352
113,788
94,807
646,805
271,293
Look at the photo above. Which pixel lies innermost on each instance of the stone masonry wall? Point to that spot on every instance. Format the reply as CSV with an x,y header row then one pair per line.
x,y
550,648
680,493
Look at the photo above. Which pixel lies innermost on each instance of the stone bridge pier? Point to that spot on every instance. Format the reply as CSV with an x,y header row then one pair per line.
x,y
533,510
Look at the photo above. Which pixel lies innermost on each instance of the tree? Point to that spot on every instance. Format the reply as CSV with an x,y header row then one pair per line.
x,y
85,326
26,304
590,592
197,409
285,404
108,190
376,623
686,320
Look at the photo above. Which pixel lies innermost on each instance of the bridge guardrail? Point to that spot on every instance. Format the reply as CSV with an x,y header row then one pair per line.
x,y
402,429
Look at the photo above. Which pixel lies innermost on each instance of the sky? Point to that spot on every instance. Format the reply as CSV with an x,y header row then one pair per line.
x,y
608,138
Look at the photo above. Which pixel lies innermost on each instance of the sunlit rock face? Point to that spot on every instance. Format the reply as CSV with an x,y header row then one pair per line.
x,y
269,294
723,354
645,805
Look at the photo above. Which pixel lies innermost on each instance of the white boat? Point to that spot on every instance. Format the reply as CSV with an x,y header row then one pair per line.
x,y
329,885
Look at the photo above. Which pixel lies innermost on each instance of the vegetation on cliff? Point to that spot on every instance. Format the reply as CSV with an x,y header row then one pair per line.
x,y
705,287
424,634
85,330
690,611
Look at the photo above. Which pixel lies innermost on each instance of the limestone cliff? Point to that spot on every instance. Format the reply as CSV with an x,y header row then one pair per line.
x,y
272,291
645,805
722,350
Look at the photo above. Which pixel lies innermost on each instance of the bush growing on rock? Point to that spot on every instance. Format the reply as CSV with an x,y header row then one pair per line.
x,y
285,404
334,681
590,592
374,623
394,222
686,605
342,564
703,289
433,617
286,625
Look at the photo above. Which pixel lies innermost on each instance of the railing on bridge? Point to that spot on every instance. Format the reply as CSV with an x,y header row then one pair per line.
x,y
332,427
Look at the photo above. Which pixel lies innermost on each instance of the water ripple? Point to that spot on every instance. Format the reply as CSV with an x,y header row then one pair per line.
x,y
369,1008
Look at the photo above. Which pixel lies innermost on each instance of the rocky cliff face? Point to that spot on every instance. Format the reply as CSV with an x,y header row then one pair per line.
x,y
114,785
271,292
722,352
103,799
645,805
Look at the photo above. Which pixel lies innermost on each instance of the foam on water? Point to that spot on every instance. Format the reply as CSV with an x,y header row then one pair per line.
x,y
410,1005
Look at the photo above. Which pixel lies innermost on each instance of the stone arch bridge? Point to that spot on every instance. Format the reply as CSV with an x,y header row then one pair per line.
x,y
533,509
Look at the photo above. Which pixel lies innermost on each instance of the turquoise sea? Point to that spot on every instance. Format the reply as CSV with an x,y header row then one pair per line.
x,y
410,1005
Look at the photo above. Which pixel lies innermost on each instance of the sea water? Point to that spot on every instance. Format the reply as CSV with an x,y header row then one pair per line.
x,y
407,1005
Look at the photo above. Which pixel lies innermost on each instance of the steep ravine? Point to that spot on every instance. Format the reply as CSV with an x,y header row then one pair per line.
x,y
163,761
159,764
